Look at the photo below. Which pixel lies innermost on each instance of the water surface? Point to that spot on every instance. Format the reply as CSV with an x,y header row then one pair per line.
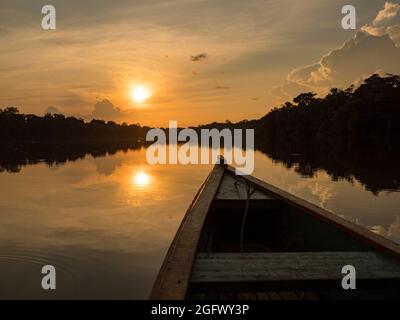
x,y
105,222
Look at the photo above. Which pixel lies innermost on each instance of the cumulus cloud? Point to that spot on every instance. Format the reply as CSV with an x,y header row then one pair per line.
x,y
199,57
387,22
52,110
288,90
361,55
105,110
371,50
389,11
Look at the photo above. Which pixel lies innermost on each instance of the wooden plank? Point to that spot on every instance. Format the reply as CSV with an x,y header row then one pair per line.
x,y
262,296
274,296
292,270
372,239
288,295
172,280
307,296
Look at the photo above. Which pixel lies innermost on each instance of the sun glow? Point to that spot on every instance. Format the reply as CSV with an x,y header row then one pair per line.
x,y
140,94
141,179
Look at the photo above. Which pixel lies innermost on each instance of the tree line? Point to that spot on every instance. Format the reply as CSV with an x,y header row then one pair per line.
x,y
369,114
15,126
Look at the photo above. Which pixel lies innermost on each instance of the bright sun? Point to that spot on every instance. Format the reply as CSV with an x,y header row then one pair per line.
x,y
140,94
141,179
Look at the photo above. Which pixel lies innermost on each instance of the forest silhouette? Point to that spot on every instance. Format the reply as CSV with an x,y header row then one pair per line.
x,y
15,126
367,115
352,134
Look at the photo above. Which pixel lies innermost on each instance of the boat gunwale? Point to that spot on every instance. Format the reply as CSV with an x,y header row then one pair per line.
x,y
181,252
360,233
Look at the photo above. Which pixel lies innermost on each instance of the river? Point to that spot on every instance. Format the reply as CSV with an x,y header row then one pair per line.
x,y
106,221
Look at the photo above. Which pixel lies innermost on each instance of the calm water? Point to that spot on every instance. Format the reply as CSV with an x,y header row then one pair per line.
x,y
105,223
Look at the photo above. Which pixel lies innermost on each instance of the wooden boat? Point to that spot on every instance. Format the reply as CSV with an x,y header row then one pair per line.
x,y
242,238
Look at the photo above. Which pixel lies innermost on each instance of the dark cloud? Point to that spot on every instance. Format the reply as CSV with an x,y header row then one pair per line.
x,y
105,110
199,57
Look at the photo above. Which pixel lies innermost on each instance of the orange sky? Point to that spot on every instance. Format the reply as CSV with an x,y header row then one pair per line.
x,y
202,60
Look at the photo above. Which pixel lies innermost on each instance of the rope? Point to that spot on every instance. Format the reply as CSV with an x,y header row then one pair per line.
x,y
249,192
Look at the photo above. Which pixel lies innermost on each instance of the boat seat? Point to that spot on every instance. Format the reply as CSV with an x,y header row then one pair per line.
x,y
291,271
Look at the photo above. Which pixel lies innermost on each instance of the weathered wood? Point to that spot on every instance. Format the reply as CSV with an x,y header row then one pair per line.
x,y
289,295
293,270
274,296
172,280
262,296
372,239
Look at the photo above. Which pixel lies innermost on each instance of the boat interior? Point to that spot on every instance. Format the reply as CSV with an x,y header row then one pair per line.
x,y
255,246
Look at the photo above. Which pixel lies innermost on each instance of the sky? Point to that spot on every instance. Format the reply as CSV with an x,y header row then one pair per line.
x,y
201,60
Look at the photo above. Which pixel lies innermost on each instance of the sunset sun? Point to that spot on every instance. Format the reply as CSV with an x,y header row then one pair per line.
x,y
141,179
140,94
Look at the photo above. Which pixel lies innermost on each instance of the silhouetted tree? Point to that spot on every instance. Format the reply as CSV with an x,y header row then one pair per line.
x,y
19,127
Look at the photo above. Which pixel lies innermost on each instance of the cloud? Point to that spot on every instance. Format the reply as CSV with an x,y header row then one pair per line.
x,y
361,55
389,11
199,57
371,50
387,22
392,232
52,110
105,110
288,90
107,165
299,74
